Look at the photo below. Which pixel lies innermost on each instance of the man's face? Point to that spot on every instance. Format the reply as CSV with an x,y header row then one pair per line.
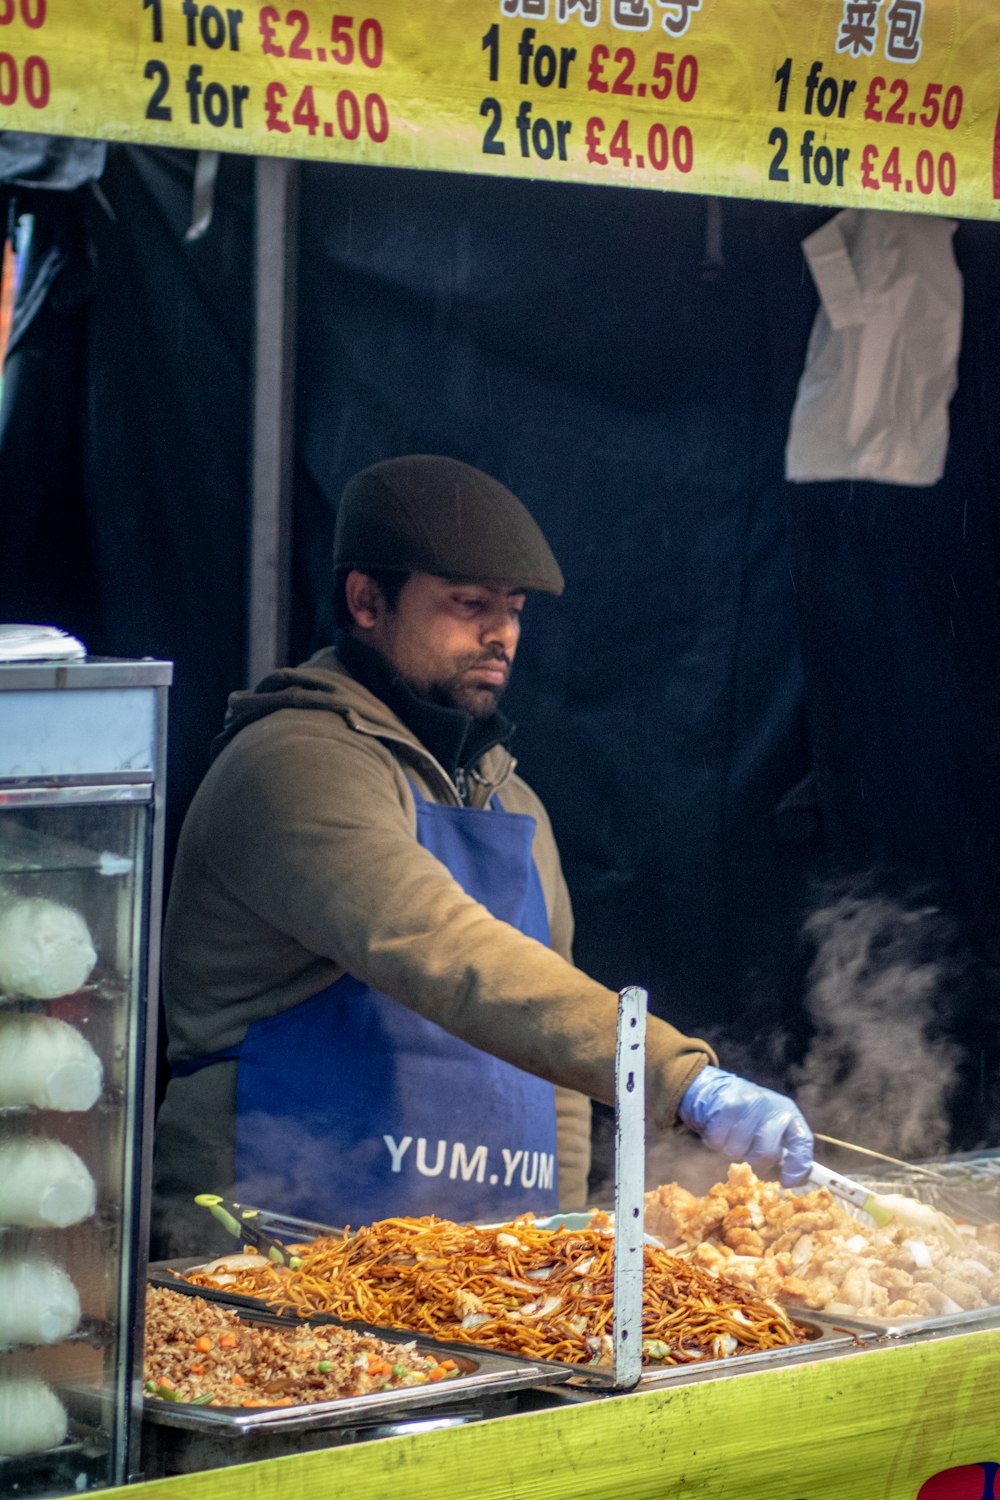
x,y
451,643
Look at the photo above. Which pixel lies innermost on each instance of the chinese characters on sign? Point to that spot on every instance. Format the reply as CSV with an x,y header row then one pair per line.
x,y
858,32
626,15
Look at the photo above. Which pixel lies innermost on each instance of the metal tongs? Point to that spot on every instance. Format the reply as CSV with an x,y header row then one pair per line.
x,y
240,1221
884,1207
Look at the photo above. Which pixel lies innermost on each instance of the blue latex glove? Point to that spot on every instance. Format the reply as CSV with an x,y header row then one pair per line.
x,y
749,1123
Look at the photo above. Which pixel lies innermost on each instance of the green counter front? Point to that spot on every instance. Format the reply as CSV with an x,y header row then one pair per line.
x,y
886,1422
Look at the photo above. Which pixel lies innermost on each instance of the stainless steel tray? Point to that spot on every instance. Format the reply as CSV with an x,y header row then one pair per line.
x,y
901,1327
481,1374
823,1333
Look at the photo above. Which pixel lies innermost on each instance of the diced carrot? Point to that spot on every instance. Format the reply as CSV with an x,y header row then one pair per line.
x,y
227,1341
237,1380
197,1368
166,1383
438,1373
203,1344
448,1364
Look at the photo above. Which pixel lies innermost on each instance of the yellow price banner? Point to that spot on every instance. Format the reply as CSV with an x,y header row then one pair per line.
x,y
891,104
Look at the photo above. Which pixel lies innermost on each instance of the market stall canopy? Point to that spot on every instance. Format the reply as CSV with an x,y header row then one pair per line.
x,y
834,104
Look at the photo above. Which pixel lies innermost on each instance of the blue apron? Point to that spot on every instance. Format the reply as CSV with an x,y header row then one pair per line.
x,y
351,1107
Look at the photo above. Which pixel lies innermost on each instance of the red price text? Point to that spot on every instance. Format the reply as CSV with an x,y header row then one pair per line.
x,y
932,172
614,73
886,104
352,116
661,148
347,43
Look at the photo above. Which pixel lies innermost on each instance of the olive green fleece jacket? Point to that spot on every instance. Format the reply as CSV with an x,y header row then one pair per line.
x,y
298,862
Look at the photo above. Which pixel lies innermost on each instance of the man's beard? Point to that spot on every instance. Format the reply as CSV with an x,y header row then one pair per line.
x,y
479,701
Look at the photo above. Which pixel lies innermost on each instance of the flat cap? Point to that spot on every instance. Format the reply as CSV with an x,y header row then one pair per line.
x,y
428,514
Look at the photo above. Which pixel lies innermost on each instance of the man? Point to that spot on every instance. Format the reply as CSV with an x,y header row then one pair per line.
x,y
367,972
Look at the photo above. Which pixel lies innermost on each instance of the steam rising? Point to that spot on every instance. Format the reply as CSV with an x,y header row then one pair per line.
x,y
877,1071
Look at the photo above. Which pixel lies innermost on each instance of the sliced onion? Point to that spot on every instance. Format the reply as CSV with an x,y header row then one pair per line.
x,y
548,1306
801,1251
232,1263
919,1254
475,1320
723,1344
976,1268
518,1286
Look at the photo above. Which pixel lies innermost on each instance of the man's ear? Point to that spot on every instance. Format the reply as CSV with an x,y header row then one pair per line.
x,y
364,599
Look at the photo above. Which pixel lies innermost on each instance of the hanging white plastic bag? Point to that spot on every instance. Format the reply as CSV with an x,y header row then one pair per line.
x,y
881,365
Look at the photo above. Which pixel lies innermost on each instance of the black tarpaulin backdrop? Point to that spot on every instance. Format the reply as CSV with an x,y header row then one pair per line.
x,y
749,688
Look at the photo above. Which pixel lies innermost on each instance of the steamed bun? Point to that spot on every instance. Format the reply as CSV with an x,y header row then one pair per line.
x,y
38,1302
43,1184
45,949
32,1418
47,1063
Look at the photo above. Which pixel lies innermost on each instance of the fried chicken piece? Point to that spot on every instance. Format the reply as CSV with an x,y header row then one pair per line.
x,y
965,1293
767,1279
895,1280
669,1211
819,1291
794,1288
712,1257
740,1230
708,1217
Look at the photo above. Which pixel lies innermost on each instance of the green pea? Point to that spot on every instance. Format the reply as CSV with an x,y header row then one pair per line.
x,y
324,1367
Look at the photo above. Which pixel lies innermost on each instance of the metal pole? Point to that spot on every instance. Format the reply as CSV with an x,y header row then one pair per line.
x,y
276,296
630,1157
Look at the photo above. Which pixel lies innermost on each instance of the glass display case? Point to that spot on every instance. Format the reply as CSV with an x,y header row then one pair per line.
x,y
81,778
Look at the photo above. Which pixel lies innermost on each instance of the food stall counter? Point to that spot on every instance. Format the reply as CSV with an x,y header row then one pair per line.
x,y
871,1422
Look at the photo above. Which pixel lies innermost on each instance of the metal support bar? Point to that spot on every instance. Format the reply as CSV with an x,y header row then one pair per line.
x,y
630,1157
276,298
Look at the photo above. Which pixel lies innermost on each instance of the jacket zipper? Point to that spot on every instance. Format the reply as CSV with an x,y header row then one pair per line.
x,y
428,760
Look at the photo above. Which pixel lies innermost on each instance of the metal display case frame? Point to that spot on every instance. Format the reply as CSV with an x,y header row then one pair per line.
x,y
83,746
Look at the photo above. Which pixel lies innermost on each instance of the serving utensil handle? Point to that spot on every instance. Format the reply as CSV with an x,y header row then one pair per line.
x,y
850,1191
240,1221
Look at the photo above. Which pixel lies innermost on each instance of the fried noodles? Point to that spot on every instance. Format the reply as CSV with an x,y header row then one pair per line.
x,y
544,1294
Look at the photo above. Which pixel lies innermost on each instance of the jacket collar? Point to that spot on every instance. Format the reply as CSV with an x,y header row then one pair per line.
x,y
323,683
455,739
